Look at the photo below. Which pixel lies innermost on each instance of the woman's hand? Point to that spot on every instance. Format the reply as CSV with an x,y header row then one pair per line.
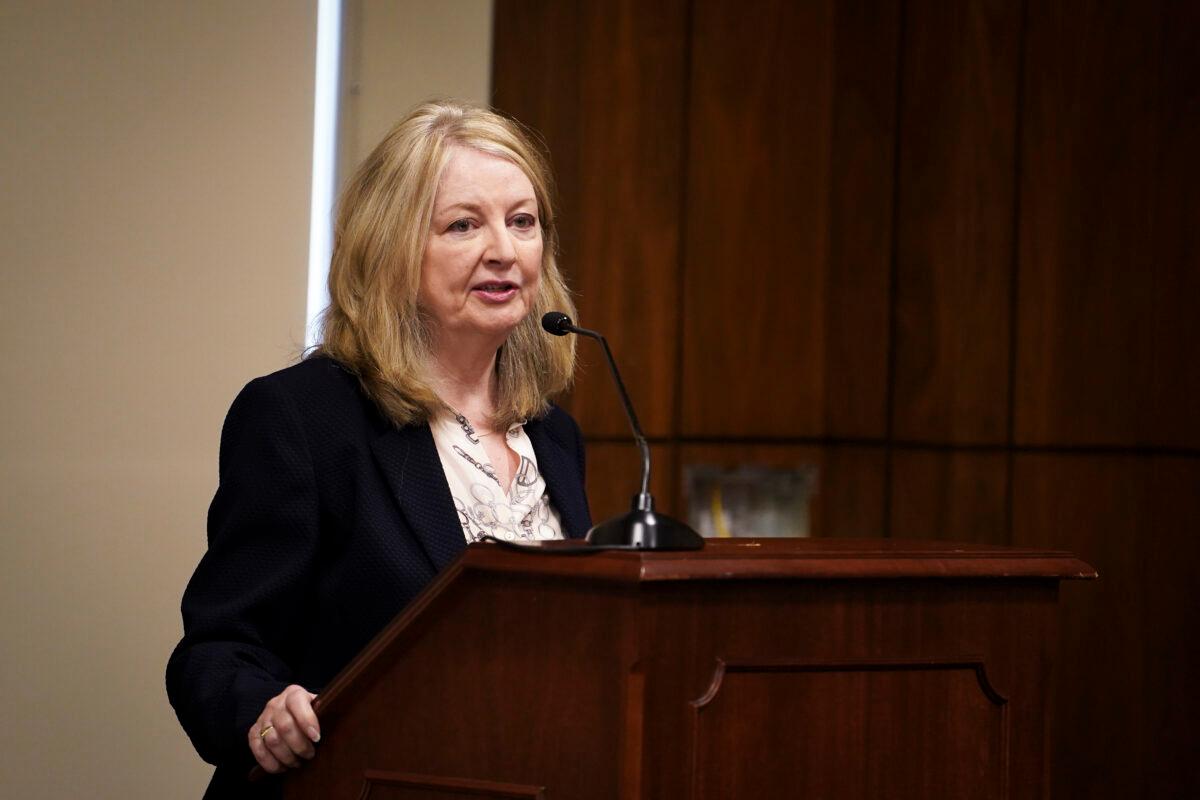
x,y
283,736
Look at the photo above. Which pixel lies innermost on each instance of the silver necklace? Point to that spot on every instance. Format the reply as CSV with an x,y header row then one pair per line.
x,y
466,425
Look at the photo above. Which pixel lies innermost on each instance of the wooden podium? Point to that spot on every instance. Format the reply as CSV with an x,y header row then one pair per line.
x,y
769,668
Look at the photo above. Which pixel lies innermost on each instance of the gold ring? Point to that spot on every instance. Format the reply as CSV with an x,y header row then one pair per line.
x,y
263,733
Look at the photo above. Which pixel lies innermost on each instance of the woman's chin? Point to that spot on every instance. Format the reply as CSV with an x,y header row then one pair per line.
x,y
501,320
494,326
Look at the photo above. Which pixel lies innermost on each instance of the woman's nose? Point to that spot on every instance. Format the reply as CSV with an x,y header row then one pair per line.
x,y
500,247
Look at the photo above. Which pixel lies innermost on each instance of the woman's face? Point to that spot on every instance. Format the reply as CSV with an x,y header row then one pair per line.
x,y
482,264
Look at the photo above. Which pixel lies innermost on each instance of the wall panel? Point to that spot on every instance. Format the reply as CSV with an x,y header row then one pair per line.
x,y
947,254
757,240
787,244
1126,706
862,155
851,492
950,494
1109,309
614,473
955,220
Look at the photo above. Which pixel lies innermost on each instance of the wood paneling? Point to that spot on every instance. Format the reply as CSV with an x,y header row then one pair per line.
x,y
862,153
614,474
1126,700
850,491
1109,236
600,81
952,495
870,708
786,261
757,221
872,236
848,500
955,220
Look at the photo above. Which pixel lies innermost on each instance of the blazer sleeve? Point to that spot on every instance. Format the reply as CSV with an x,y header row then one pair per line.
x,y
245,607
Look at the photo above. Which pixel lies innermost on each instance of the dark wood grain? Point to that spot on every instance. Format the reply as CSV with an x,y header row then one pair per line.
x,y
757,241
876,706
866,36
1109,240
789,208
614,472
919,669
812,558
955,220
601,82
1039,162
850,492
1126,701
953,495
381,785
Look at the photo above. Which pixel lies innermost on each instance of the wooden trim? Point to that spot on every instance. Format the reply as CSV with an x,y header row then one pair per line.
x,y
439,783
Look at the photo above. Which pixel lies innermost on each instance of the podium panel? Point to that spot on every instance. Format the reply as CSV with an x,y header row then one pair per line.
x,y
930,729
772,668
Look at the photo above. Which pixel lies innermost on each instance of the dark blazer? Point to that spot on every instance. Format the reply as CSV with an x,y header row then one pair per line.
x,y
327,521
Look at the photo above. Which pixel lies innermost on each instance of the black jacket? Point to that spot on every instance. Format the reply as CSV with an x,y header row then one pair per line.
x,y
327,521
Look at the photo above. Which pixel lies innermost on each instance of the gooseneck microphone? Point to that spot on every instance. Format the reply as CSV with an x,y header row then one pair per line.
x,y
641,528
560,324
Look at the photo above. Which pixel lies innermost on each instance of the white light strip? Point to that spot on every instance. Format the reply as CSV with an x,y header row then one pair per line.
x,y
324,166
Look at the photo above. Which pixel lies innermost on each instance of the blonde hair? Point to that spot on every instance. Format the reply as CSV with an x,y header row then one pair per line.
x,y
374,325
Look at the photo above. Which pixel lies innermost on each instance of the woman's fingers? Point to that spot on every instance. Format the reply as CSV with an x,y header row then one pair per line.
x,y
299,703
285,730
280,748
261,754
287,739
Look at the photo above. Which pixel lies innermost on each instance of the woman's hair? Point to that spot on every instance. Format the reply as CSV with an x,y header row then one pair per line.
x,y
374,325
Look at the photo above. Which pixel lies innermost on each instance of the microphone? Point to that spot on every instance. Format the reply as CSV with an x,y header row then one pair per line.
x,y
641,528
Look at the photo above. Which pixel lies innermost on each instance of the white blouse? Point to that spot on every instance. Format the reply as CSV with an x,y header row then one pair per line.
x,y
484,507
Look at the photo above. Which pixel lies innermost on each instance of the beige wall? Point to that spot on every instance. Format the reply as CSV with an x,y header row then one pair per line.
x,y
401,52
155,161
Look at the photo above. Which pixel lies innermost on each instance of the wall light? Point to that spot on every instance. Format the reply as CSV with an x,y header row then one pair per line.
x,y
324,163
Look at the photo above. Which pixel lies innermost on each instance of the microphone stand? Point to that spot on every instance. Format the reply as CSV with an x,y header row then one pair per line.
x,y
641,528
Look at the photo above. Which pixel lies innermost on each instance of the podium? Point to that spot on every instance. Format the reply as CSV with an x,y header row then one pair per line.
x,y
766,668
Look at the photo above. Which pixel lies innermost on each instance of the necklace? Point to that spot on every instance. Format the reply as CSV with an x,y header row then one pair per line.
x,y
523,480
466,426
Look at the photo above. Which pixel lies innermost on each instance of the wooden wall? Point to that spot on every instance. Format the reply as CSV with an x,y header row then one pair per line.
x,y
949,253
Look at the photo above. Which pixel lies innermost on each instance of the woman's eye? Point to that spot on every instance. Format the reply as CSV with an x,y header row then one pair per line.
x,y
460,226
524,221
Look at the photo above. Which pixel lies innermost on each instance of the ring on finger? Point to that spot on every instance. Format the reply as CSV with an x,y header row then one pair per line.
x,y
263,733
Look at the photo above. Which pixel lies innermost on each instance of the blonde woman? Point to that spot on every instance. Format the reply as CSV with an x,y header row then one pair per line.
x,y
421,423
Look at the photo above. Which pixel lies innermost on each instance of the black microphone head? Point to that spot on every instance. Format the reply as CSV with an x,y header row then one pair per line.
x,y
557,323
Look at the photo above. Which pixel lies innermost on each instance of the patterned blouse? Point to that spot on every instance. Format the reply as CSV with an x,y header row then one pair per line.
x,y
485,508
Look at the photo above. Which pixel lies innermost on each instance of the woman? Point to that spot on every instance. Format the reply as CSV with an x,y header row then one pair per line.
x,y
419,424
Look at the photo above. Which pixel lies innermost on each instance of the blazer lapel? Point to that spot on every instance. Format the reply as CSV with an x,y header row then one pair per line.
x,y
414,473
563,481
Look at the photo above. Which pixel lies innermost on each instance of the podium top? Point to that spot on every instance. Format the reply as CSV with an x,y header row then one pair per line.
x,y
795,559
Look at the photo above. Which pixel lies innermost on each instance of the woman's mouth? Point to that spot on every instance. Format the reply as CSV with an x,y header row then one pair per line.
x,y
496,291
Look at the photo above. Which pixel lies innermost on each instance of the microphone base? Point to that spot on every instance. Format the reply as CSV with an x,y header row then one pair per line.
x,y
642,529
